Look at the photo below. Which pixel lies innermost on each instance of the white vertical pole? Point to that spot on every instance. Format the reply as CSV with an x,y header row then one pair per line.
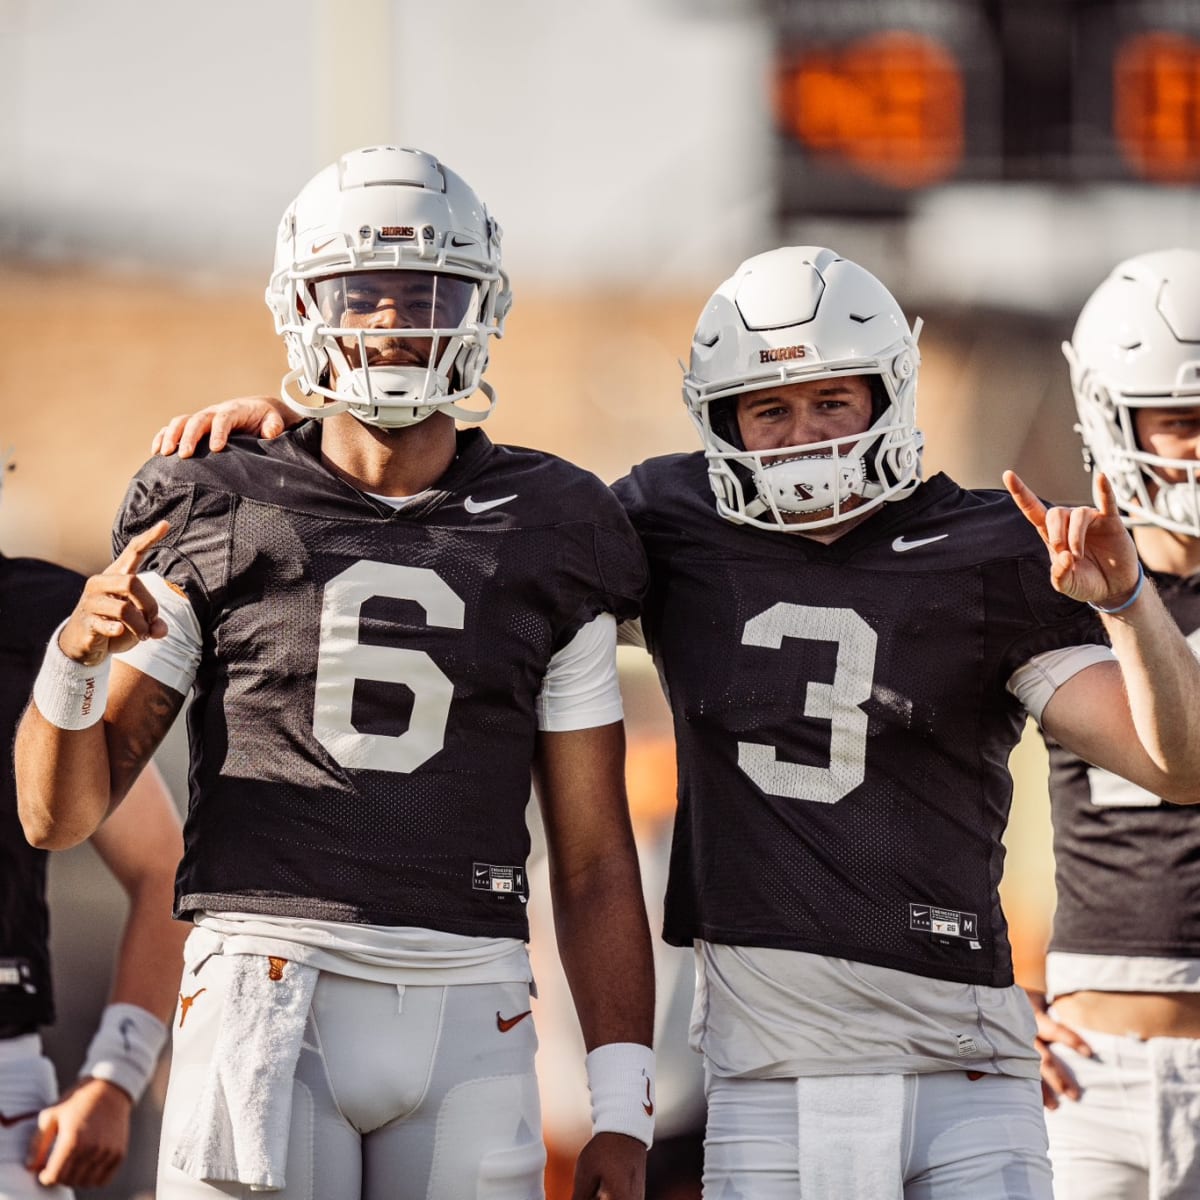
x,y
354,65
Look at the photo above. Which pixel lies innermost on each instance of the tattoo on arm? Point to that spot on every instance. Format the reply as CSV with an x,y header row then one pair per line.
x,y
159,707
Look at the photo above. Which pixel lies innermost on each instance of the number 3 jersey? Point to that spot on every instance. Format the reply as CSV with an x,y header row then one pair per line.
x,y
364,712
842,719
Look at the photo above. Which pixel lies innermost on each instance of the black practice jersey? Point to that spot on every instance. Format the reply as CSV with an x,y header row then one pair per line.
x,y
363,718
1127,864
841,718
35,598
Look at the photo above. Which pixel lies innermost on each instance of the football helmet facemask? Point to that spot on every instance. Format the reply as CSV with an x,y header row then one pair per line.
x,y
795,314
386,288
1137,345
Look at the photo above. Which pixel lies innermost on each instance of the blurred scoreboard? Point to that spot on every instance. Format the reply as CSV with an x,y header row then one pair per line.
x,y
875,100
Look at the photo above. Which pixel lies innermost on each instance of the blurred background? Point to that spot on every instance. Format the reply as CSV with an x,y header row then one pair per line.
x,y
990,160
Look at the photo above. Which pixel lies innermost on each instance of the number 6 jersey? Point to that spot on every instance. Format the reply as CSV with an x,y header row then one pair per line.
x,y
842,719
365,706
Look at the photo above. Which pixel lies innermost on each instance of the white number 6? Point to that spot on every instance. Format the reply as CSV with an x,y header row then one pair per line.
x,y
342,659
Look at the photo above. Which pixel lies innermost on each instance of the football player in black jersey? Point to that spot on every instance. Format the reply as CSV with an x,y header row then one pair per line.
x,y
387,626
48,1143
850,654
1124,960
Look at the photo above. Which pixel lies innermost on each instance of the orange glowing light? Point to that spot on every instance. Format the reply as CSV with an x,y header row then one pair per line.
x,y
1156,106
889,105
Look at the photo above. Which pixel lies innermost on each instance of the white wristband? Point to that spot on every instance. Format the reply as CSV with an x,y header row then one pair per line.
x,y
621,1079
125,1049
67,693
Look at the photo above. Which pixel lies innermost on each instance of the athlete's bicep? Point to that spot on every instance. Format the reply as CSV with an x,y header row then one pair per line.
x,y
1089,716
1034,682
139,713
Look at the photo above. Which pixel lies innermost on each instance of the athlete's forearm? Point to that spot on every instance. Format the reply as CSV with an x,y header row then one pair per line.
x,y
1162,681
604,944
63,781
141,844
599,914
150,956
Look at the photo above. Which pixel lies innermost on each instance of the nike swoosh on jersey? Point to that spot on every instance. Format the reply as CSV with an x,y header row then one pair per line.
x,y
17,1118
504,1024
900,545
477,506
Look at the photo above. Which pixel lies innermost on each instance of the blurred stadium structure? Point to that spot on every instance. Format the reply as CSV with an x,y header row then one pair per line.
x,y
989,159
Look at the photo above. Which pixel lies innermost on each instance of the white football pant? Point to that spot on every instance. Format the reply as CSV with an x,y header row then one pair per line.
x,y
1134,1134
939,1136
418,1093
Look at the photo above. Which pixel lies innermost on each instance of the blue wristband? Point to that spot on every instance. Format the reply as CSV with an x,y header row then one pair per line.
x,y
1137,591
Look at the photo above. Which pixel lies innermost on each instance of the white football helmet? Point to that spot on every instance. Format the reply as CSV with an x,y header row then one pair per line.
x,y
787,316
1137,345
386,209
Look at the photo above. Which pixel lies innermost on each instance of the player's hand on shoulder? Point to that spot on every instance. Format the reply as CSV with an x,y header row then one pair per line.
x,y
82,1140
1057,1080
116,610
1092,557
259,416
612,1166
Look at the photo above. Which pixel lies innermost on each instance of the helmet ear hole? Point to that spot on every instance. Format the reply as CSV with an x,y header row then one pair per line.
x,y
722,415
880,400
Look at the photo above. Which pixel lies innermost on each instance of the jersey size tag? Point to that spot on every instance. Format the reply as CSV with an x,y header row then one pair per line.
x,y
943,923
965,1045
500,881
17,973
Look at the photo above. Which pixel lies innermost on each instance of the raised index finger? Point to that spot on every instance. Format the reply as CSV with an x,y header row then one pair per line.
x,y
1104,496
128,561
1031,507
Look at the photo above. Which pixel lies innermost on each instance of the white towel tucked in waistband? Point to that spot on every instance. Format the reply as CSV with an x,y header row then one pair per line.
x,y
239,1131
850,1144
1175,1092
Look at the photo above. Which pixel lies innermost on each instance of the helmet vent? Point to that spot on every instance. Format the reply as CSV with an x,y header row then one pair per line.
x,y
861,319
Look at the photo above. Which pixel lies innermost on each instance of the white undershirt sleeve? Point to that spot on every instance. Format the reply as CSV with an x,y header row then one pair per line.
x,y
580,690
172,660
631,633
1038,679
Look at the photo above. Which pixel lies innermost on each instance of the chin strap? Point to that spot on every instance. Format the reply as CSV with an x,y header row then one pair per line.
x,y
326,408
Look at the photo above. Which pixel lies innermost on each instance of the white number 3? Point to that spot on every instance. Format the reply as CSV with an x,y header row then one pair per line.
x,y
837,702
342,659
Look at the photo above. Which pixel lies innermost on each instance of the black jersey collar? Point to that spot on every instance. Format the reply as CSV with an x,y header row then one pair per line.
x,y
474,450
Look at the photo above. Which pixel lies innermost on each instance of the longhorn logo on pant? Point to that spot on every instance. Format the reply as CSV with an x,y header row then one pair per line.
x,y
186,1002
